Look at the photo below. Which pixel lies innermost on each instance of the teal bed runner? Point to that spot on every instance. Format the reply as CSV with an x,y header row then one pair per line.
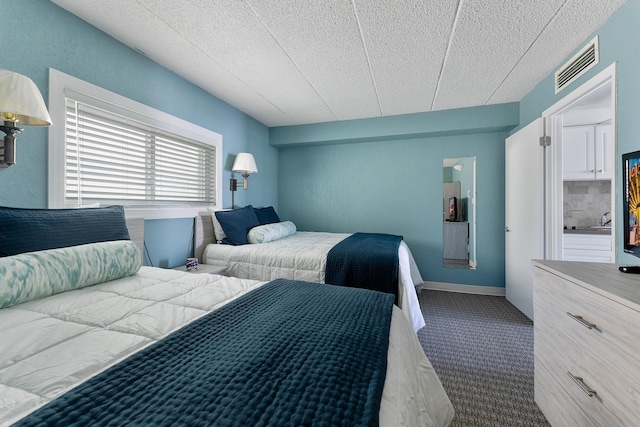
x,y
287,353
365,260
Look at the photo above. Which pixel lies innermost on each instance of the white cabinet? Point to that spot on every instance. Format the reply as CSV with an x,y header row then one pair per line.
x,y
587,247
586,344
605,152
587,153
455,240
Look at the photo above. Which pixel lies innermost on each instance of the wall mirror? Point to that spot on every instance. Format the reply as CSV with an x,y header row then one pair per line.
x,y
459,212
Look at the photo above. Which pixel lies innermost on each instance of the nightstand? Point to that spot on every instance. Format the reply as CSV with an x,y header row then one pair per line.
x,y
204,269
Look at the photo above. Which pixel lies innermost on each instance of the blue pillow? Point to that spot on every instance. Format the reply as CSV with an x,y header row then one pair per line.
x,y
30,230
266,215
237,223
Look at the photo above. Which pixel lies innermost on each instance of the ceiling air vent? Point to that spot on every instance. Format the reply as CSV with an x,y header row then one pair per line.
x,y
586,58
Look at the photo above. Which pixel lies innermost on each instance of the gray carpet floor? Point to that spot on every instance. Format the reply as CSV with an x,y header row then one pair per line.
x,y
482,349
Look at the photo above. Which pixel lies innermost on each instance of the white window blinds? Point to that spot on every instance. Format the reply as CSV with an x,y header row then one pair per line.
x,y
111,159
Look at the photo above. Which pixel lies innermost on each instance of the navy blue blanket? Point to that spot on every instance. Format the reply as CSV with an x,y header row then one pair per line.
x,y
288,353
365,260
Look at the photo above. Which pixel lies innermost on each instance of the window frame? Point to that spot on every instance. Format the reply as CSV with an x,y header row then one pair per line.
x,y
62,85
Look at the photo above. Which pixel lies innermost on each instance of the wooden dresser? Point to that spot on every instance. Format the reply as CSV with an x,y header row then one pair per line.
x,y
586,343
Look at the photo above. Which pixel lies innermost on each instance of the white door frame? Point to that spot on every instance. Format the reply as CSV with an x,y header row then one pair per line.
x,y
552,117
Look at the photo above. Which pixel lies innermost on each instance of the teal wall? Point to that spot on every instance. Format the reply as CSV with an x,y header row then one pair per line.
x,y
619,39
36,35
385,175
158,235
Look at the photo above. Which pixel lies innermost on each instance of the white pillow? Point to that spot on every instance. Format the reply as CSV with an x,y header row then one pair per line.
x,y
270,232
217,228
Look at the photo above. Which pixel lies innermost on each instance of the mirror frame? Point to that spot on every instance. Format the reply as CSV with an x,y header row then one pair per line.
x,y
459,181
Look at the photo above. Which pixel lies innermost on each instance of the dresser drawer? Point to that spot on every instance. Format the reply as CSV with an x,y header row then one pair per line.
x,y
603,356
552,399
616,325
607,406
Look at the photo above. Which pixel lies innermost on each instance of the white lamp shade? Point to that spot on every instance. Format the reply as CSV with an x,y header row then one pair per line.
x,y
21,101
245,163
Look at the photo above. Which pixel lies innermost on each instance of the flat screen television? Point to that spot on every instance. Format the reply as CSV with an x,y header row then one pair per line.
x,y
453,209
631,202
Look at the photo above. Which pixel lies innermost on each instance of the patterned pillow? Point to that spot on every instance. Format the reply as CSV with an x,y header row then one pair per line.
x,y
270,232
34,275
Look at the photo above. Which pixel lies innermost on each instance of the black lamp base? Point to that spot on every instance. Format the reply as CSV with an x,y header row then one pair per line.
x,y
233,186
8,147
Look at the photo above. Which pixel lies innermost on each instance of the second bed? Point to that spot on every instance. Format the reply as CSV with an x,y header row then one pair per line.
x,y
301,256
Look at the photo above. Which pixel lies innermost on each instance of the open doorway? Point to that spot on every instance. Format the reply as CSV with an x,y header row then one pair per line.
x,y
534,185
580,203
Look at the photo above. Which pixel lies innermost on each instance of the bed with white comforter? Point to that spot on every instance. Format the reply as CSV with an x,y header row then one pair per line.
x,y
303,256
74,312
51,344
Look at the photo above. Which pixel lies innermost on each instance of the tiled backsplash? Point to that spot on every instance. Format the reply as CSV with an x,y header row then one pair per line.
x,y
585,202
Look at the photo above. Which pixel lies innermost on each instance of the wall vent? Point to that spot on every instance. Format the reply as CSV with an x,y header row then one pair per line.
x,y
582,61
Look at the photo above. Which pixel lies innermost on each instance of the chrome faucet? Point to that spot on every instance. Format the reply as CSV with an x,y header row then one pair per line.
x,y
605,220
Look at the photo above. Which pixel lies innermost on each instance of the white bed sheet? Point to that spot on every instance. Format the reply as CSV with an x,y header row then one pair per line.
x,y
303,256
50,345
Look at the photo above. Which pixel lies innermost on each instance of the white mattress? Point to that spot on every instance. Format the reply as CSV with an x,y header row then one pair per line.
x,y
48,346
303,256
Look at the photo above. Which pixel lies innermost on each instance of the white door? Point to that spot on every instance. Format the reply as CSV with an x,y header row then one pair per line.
x,y
524,213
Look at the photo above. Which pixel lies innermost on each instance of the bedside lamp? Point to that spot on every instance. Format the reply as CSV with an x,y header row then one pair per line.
x,y
20,103
246,164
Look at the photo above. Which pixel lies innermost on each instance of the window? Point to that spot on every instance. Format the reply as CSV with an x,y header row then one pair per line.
x,y
108,149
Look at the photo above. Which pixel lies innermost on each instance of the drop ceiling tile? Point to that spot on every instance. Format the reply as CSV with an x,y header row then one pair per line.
x,y
489,38
231,34
108,17
571,29
323,40
406,42
233,91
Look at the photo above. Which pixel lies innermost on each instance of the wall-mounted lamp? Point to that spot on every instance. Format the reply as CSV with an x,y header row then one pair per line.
x,y
246,164
20,103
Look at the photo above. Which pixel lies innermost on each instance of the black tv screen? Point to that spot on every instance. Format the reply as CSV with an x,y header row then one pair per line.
x,y
453,209
631,202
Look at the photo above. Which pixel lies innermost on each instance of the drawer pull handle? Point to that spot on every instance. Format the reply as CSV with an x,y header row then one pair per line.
x,y
578,380
581,320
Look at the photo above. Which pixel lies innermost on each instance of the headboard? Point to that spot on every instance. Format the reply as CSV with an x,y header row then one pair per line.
x,y
136,233
203,235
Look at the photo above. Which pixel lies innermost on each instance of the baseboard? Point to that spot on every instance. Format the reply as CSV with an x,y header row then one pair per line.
x,y
465,289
